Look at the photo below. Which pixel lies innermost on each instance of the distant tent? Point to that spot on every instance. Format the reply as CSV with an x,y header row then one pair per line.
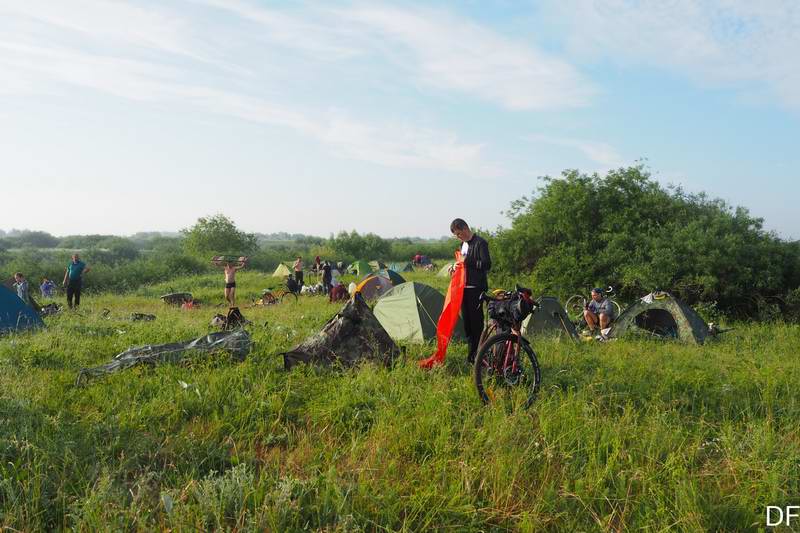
x,y
393,276
445,271
373,287
410,311
661,315
401,267
549,319
377,265
15,315
282,271
359,268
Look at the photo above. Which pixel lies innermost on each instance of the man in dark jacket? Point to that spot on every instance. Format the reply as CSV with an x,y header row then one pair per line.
x,y
477,262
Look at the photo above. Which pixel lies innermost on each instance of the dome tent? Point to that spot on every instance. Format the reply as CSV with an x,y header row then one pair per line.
x,y
659,314
549,319
359,268
410,311
282,271
15,315
373,287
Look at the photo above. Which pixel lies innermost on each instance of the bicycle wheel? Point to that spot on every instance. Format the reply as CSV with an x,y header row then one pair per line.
x,y
500,365
617,308
288,295
575,306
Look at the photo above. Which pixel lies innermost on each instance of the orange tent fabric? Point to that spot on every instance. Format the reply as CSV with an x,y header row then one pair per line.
x,y
449,317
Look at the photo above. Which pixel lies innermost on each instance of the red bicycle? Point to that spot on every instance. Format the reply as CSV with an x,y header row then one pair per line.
x,y
505,357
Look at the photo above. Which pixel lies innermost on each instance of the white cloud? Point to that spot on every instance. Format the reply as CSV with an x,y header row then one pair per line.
x,y
598,152
726,43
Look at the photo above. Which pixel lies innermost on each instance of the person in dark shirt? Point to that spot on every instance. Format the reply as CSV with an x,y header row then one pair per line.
x,y
73,279
478,262
326,277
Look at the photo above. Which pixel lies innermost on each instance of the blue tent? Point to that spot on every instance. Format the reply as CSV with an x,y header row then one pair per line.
x,y
14,314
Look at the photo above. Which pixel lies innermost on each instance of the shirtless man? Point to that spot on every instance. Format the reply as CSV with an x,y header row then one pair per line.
x,y
230,281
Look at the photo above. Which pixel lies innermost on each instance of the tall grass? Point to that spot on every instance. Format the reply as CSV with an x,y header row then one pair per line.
x,y
624,435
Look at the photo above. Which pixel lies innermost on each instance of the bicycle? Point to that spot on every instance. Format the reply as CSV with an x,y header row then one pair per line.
x,y
576,303
500,362
271,297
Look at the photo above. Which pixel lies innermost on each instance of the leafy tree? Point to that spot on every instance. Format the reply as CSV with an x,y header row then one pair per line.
x,y
354,246
626,230
217,235
36,239
120,248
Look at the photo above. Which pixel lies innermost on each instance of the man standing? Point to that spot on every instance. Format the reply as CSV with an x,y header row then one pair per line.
x,y
326,277
73,279
21,284
298,271
230,281
475,251
598,311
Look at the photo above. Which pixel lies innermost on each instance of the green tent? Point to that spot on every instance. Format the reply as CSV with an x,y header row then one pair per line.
x,y
376,265
282,271
445,271
359,268
393,276
549,319
661,315
410,311
401,267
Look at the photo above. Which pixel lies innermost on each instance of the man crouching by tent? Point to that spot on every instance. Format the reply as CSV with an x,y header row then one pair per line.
x,y
475,251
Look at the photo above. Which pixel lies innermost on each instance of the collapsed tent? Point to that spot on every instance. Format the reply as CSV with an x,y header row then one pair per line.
x,y
410,312
661,315
549,319
373,287
281,271
16,315
237,343
401,267
359,268
444,272
353,335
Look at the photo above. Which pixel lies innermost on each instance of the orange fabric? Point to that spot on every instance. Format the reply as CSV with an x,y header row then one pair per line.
x,y
449,317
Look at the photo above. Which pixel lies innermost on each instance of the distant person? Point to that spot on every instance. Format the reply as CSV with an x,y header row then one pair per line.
x,y
298,271
599,311
73,280
21,285
230,270
338,293
475,251
47,288
317,266
291,285
417,259
326,277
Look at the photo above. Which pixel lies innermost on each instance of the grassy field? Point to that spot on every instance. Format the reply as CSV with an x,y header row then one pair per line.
x,y
625,435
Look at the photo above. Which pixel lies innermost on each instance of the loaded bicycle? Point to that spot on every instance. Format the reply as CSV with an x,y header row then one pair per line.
x,y
505,357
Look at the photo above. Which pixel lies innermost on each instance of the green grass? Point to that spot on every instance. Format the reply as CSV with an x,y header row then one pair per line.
x,y
624,436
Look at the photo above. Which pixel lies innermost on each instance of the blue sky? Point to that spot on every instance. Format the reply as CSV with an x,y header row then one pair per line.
x,y
315,117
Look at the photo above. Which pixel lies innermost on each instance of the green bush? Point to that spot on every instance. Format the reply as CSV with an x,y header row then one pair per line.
x,y
624,229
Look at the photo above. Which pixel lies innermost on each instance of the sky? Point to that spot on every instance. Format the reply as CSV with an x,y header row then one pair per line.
x,y
387,117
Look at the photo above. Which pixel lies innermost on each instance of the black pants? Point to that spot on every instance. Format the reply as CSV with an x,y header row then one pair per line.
x,y
472,314
298,277
74,290
326,285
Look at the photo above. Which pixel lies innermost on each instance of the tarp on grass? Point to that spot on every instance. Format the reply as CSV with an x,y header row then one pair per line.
x,y
237,343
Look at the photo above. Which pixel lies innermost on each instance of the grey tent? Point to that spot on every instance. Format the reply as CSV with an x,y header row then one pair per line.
x,y
549,319
401,267
444,272
661,315
410,311
353,335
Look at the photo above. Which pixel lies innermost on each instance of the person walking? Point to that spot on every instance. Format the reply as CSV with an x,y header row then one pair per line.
x,y
477,261
73,280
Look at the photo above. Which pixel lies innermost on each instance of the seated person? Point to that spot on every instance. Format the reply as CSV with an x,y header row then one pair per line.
x,y
292,285
337,293
599,311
